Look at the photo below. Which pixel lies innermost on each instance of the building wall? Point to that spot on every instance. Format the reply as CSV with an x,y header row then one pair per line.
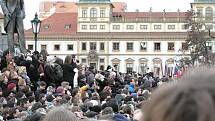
x,y
169,32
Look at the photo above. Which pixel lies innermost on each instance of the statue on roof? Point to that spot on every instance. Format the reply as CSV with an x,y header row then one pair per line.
x,y
14,13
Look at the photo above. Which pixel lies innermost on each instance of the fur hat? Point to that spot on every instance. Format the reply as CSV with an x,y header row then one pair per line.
x,y
21,70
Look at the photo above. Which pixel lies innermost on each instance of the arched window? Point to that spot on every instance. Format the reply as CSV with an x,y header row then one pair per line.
x,y
157,62
143,67
209,13
93,12
129,65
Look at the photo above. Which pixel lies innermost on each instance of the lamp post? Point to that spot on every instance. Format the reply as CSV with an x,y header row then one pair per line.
x,y
35,28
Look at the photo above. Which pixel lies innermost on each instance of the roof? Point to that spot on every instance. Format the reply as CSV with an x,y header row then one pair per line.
x,y
94,1
59,6
119,6
63,6
58,23
204,1
148,14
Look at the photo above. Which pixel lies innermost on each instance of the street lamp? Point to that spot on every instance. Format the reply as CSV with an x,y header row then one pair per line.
x,y
35,28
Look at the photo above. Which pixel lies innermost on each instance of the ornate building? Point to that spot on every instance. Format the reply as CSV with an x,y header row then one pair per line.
x,y
100,35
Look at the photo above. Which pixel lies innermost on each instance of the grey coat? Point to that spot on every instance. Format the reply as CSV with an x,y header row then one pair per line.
x,y
8,7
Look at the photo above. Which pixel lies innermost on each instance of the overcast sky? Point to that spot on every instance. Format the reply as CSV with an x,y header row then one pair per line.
x,y
32,6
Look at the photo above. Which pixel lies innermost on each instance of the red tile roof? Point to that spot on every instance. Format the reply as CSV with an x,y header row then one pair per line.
x,y
56,25
119,6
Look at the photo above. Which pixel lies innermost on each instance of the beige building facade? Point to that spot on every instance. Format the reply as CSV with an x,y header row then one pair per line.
x,y
135,41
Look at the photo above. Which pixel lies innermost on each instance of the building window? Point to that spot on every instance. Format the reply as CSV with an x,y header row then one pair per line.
x,y
143,27
209,46
93,13
43,47
30,47
116,27
102,27
102,60
57,47
130,27
184,46
102,46
157,27
46,26
185,27
171,27
84,27
93,46
143,46
116,46
129,46
101,67
129,67
69,47
84,46
157,46
102,13
171,46
209,13
84,13
83,60
67,26
199,12
93,27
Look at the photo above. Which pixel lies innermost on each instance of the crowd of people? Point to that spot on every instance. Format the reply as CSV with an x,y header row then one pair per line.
x,y
40,88
32,85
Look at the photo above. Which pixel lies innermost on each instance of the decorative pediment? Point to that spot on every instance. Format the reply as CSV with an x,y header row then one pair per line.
x,y
157,60
129,60
170,61
115,60
143,60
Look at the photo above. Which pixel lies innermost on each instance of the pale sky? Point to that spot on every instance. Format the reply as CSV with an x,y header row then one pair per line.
x,y
32,6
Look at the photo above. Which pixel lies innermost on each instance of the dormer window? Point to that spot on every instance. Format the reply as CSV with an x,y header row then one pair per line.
x,y
67,26
46,26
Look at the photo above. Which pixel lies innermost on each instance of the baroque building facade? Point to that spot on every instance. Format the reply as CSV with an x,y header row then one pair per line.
x,y
135,41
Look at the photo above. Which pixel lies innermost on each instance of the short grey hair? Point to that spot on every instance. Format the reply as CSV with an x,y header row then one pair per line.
x,y
60,114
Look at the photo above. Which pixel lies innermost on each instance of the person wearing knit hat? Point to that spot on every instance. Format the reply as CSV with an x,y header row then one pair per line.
x,y
109,68
11,87
84,88
60,91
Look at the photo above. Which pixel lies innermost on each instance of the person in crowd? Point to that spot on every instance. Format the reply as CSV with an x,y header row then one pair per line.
x,y
60,114
190,99
32,87
68,70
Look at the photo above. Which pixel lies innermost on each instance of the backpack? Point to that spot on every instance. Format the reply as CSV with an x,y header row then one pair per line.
x,y
57,72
